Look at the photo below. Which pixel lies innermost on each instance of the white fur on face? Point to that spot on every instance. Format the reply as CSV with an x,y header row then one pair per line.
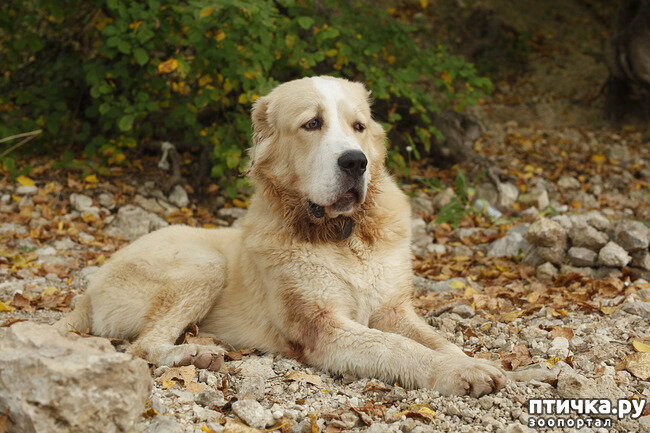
x,y
326,176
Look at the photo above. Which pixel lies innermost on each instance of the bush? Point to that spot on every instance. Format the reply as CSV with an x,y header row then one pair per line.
x,y
110,75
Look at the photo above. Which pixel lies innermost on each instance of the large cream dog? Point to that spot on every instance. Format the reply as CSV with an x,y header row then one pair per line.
x,y
319,270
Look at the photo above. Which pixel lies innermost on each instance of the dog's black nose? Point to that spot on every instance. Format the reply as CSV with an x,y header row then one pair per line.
x,y
353,162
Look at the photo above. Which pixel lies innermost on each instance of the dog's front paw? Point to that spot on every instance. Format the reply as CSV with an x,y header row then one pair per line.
x,y
463,375
201,356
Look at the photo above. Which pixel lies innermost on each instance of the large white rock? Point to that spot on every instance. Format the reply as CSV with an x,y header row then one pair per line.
x,y
60,382
613,255
546,233
132,222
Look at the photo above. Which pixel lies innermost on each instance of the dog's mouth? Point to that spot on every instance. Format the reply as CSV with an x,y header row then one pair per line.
x,y
343,205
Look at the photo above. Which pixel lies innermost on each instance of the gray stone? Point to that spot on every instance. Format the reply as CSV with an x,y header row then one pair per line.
x,y
82,203
641,259
60,382
613,255
579,256
508,194
584,235
253,413
573,385
231,212
421,204
436,249
536,197
106,200
464,311
26,190
546,233
568,182
587,272
640,308
132,222
597,220
164,424
437,286
511,244
606,271
555,254
547,272
532,258
488,192
631,235
442,198
178,196
461,250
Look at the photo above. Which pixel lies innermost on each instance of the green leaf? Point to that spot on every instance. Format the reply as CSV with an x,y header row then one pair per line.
x,y
125,123
305,22
140,56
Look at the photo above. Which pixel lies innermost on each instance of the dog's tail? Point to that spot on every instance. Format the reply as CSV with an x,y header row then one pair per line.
x,y
79,319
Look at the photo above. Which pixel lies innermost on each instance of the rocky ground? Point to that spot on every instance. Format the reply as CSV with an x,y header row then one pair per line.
x,y
548,276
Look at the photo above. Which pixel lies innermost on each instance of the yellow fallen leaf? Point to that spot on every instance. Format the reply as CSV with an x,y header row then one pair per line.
x,y
511,316
607,310
207,11
552,361
457,284
638,364
168,66
640,347
91,178
240,203
470,292
24,180
598,158
220,36
6,308
50,291
168,383
195,387
309,378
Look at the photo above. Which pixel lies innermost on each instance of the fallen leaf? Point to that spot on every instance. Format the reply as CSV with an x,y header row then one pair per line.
x,y
562,331
457,284
237,427
298,376
638,364
186,374
422,411
4,422
640,347
24,181
4,307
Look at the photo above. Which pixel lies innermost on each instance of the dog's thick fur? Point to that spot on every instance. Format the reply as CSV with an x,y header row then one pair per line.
x,y
287,281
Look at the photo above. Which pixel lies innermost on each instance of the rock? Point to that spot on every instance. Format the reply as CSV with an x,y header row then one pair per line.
x,y
641,259
436,249
606,272
420,239
640,308
56,382
532,258
597,220
488,192
546,233
573,385
555,254
517,428
579,256
252,413
587,272
568,182
106,200
164,424
82,203
559,347
178,196
439,286
421,204
536,197
511,244
508,194
631,235
546,272
443,198
461,250
26,190
132,222
464,311
640,273
584,235
231,212
613,255
538,372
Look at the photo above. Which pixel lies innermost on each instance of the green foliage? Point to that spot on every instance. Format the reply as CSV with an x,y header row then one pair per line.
x,y
111,75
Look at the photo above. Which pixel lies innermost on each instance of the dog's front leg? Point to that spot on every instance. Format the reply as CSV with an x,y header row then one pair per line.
x,y
400,318
341,345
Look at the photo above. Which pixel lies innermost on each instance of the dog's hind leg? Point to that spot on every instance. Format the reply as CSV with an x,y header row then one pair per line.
x,y
187,298
79,319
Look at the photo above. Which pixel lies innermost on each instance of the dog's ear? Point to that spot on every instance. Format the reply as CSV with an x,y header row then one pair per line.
x,y
262,131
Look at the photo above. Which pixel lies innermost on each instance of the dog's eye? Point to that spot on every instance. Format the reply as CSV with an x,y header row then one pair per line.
x,y
359,127
314,123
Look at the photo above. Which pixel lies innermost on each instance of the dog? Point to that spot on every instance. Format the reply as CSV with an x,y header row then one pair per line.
x,y
319,269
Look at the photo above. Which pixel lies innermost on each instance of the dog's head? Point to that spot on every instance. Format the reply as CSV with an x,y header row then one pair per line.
x,y
315,139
